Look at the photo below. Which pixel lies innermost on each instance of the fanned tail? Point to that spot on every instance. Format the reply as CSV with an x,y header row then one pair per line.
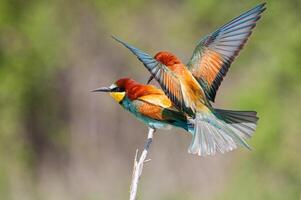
x,y
222,131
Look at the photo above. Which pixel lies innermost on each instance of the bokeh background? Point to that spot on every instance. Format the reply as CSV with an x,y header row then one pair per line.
x,y
59,141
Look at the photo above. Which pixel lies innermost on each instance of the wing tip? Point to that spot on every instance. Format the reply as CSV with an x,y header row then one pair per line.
x,y
260,6
120,41
115,38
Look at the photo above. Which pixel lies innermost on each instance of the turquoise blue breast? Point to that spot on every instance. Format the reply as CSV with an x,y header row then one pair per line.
x,y
132,106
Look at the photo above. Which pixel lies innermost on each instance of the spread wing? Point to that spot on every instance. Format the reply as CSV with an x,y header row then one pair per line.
x,y
167,79
214,54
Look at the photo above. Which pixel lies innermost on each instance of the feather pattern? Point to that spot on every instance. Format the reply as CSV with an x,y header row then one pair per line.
x,y
151,106
222,130
214,54
168,80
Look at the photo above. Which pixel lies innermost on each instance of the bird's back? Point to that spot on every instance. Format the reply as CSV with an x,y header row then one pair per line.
x,y
192,92
149,104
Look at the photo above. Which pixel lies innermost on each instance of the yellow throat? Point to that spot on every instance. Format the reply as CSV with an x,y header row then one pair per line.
x,y
118,96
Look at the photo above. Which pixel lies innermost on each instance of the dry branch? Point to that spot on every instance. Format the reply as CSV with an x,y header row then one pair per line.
x,y
138,165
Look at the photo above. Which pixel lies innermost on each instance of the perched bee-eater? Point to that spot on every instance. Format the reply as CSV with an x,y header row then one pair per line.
x,y
150,105
191,87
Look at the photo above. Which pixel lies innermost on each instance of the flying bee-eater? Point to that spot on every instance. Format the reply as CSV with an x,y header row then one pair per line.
x,y
150,105
192,87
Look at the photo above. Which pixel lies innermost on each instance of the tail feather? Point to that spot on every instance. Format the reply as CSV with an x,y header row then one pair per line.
x,y
231,116
222,131
243,122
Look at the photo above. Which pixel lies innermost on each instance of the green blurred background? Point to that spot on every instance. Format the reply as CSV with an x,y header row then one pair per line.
x,y
58,141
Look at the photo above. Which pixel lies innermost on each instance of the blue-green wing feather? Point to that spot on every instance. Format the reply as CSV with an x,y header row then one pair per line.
x,y
227,41
165,77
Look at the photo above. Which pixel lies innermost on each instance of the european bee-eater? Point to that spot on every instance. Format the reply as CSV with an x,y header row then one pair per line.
x,y
150,105
191,87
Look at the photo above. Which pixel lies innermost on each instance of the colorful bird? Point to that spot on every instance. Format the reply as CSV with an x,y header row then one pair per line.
x,y
191,87
148,103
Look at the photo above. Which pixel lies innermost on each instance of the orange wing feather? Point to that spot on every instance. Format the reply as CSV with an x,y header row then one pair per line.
x,y
151,110
188,89
214,54
210,66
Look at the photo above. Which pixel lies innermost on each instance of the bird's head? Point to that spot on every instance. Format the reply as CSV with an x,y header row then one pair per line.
x,y
117,90
167,58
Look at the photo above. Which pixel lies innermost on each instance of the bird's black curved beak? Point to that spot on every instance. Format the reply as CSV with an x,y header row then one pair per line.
x,y
102,89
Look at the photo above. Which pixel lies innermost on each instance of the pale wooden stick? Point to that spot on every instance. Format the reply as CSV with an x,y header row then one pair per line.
x,y
138,165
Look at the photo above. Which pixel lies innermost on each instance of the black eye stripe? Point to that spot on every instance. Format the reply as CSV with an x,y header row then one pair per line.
x,y
117,89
